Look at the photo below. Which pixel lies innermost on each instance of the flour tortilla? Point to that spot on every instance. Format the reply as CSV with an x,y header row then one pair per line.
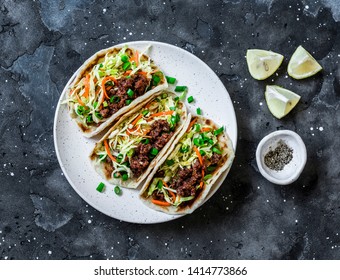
x,y
133,183
228,156
93,130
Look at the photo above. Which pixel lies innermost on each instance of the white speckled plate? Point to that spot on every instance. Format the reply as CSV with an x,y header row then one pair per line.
x,y
73,149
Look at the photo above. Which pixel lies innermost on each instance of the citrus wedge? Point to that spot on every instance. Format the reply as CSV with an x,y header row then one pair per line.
x,y
280,101
262,63
302,64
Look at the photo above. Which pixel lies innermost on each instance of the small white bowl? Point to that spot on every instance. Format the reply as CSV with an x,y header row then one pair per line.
x,y
293,169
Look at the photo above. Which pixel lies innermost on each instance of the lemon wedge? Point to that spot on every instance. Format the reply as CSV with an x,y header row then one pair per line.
x,y
262,63
302,64
280,101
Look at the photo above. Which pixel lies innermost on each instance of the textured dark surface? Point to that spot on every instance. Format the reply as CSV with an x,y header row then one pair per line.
x,y
44,42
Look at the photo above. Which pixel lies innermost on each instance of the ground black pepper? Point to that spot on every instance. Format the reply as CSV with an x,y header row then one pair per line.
x,y
278,158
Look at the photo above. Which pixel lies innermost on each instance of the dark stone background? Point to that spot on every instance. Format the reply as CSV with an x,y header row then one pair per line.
x,y
44,42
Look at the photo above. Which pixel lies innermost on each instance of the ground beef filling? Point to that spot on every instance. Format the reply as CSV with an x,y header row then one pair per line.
x,y
137,83
188,179
158,136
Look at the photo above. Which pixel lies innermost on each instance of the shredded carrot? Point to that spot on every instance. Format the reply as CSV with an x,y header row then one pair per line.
x,y
205,129
201,184
143,73
160,203
127,72
87,86
107,148
165,184
106,79
95,80
162,114
191,124
79,100
198,155
170,192
135,58
136,120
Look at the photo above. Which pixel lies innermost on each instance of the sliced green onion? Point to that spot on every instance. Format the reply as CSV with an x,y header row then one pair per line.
x,y
180,88
207,177
114,99
128,101
105,104
116,175
130,93
89,119
170,162
119,158
202,153
80,110
128,77
102,157
145,112
126,65
154,151
109,83
190,99
125,177
100,187
98,115
198,142
172,108
184,149
211,168
198,111
155,80
124,58
117,189
197,127
218,131
130,152
100,65
164,95
159,184
95,104
145,141
176,98
217,151
170,80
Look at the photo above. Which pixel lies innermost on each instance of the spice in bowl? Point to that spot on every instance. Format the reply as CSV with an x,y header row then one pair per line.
x,y
278,158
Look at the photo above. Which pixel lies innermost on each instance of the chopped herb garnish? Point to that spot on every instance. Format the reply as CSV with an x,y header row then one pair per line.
x,y
159,184
105,104
130,153
102,157
202,153
116,175
95,104
89,119
197,127
145,141
114,99
98,115
172,108
207,177
126,65
155,80
170,162
154,151
164,95
216,150
118,190
100,65
176,98
198,142
130,93
190,99
125,177
80,110
170,80
211,168
100,187
124,58
180,88
128,101
198,111
145,112
184,149
218,131
119,158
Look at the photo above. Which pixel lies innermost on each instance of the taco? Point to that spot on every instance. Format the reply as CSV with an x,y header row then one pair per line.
x,y
109,84
183,178
133,146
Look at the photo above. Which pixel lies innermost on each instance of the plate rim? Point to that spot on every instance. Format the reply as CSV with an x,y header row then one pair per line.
x,y
57,110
